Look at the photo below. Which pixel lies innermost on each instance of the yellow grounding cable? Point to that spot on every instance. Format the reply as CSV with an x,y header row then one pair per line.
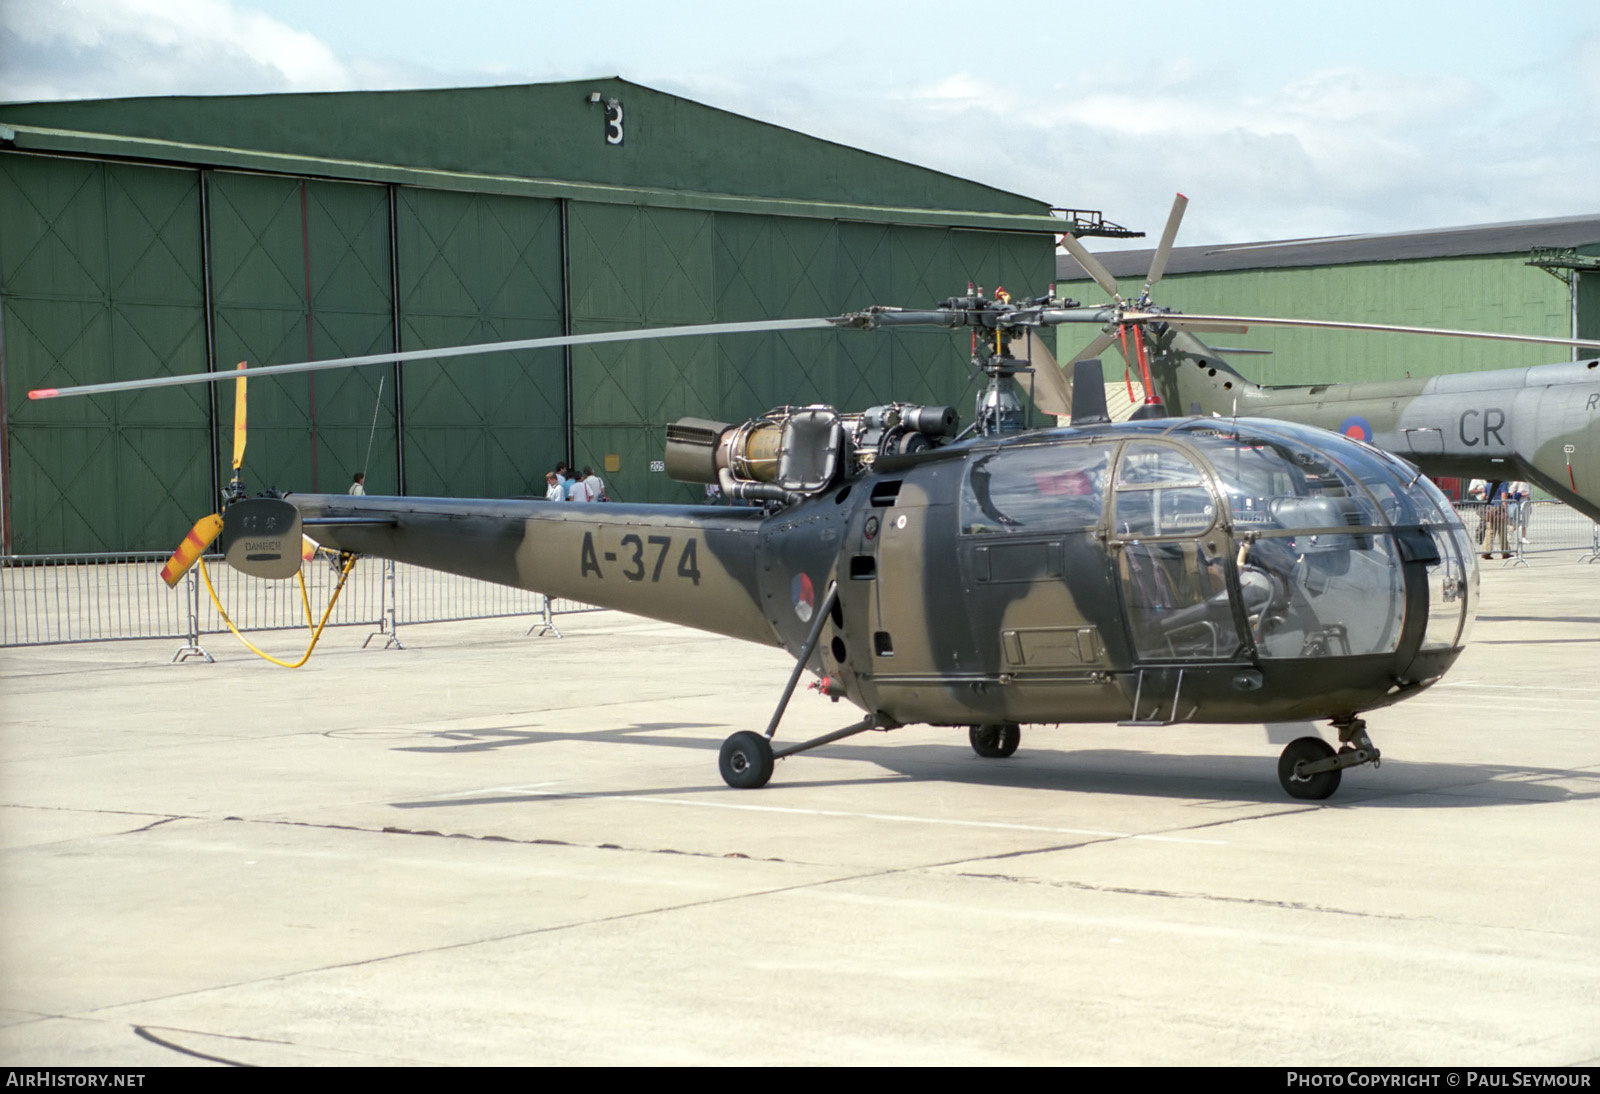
x,y
305,600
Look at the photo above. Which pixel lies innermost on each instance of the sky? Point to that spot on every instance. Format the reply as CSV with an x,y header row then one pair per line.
x,y
1278,120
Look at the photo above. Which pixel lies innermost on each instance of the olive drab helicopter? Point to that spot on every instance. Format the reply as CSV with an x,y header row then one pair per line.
x,y
1151,572
1540,424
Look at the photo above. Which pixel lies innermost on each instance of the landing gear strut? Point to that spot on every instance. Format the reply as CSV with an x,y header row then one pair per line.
x,y
747,758
1309,768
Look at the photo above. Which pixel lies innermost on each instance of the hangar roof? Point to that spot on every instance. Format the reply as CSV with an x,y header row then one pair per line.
x,y
525,138
1481,239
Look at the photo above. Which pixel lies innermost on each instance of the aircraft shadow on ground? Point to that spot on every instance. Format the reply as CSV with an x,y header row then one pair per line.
x,y
1242,778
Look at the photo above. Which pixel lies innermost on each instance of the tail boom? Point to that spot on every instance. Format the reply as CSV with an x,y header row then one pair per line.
x,y
693,565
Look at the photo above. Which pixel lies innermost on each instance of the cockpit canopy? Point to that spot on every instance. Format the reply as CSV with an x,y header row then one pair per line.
x,y
1230,534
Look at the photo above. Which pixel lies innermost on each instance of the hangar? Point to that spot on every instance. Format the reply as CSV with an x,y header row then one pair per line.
x,y
1530,277
183,234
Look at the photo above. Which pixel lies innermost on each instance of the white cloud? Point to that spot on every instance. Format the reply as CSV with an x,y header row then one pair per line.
x,y
72,49
1266,146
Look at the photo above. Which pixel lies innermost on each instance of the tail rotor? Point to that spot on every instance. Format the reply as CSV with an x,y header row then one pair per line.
x,y
263,534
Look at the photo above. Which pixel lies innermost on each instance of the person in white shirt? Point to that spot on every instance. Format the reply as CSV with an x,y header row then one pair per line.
x,y
596,485
553,490
579,491
1518,509
358,484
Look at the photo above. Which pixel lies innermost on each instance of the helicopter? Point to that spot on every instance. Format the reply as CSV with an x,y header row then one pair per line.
x,y
1540,424
1150,572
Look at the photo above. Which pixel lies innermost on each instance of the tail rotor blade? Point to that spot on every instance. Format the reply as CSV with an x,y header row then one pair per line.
x,y
205,530
239,423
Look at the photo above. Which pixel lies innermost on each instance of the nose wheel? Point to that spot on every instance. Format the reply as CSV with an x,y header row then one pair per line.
x,y
1301,754
1310,769
995,742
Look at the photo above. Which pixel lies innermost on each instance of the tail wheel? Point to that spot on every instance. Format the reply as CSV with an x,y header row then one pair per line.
x,y
995,742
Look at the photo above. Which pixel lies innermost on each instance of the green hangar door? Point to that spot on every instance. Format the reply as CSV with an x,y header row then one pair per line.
x,y
300,271
103,281
480,268
637,267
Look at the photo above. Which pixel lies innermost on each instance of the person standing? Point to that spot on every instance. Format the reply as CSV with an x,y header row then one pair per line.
x,y
1521,495
1494,527
358,485
578,491
553,490
1477,497
596,485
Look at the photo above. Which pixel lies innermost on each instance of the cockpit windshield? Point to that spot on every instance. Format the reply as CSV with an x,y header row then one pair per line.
x,y
1232,537
1325,524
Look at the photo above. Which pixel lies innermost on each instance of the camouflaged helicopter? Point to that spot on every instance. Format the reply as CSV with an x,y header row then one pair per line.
x,y
1540,424
1151,572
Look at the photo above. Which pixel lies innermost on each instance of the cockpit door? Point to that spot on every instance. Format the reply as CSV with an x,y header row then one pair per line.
x,y
1172,557
1033,556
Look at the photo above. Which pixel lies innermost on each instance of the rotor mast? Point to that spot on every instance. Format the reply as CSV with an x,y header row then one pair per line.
x,y
996,323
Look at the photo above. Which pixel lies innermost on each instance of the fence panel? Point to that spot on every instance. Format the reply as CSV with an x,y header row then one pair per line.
x,y
87,598
1530,528
258,605
429,596
105,597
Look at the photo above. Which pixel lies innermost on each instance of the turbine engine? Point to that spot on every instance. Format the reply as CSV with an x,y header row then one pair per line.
x,y
792,453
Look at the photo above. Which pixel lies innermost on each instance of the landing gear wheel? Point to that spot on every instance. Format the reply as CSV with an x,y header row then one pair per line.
x,y
1307,787
746,761
995,742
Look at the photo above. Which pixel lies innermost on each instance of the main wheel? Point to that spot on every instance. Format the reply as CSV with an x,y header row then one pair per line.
x,y
746,761
995,742
1308,787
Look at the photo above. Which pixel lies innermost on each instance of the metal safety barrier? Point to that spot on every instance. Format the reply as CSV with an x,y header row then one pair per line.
x,y
1519,532
87,598
110,597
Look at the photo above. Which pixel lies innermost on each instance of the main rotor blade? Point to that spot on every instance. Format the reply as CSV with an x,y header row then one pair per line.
x,y
1095,348
1194,322
1091,266
646,334
1158,261
1184,322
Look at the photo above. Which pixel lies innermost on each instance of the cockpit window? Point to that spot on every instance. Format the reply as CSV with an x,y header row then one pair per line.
x,y
1160,492
1276,482
1146,464
1035,488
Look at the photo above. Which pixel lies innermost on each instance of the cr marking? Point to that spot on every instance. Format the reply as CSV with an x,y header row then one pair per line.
x,y
1494,419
